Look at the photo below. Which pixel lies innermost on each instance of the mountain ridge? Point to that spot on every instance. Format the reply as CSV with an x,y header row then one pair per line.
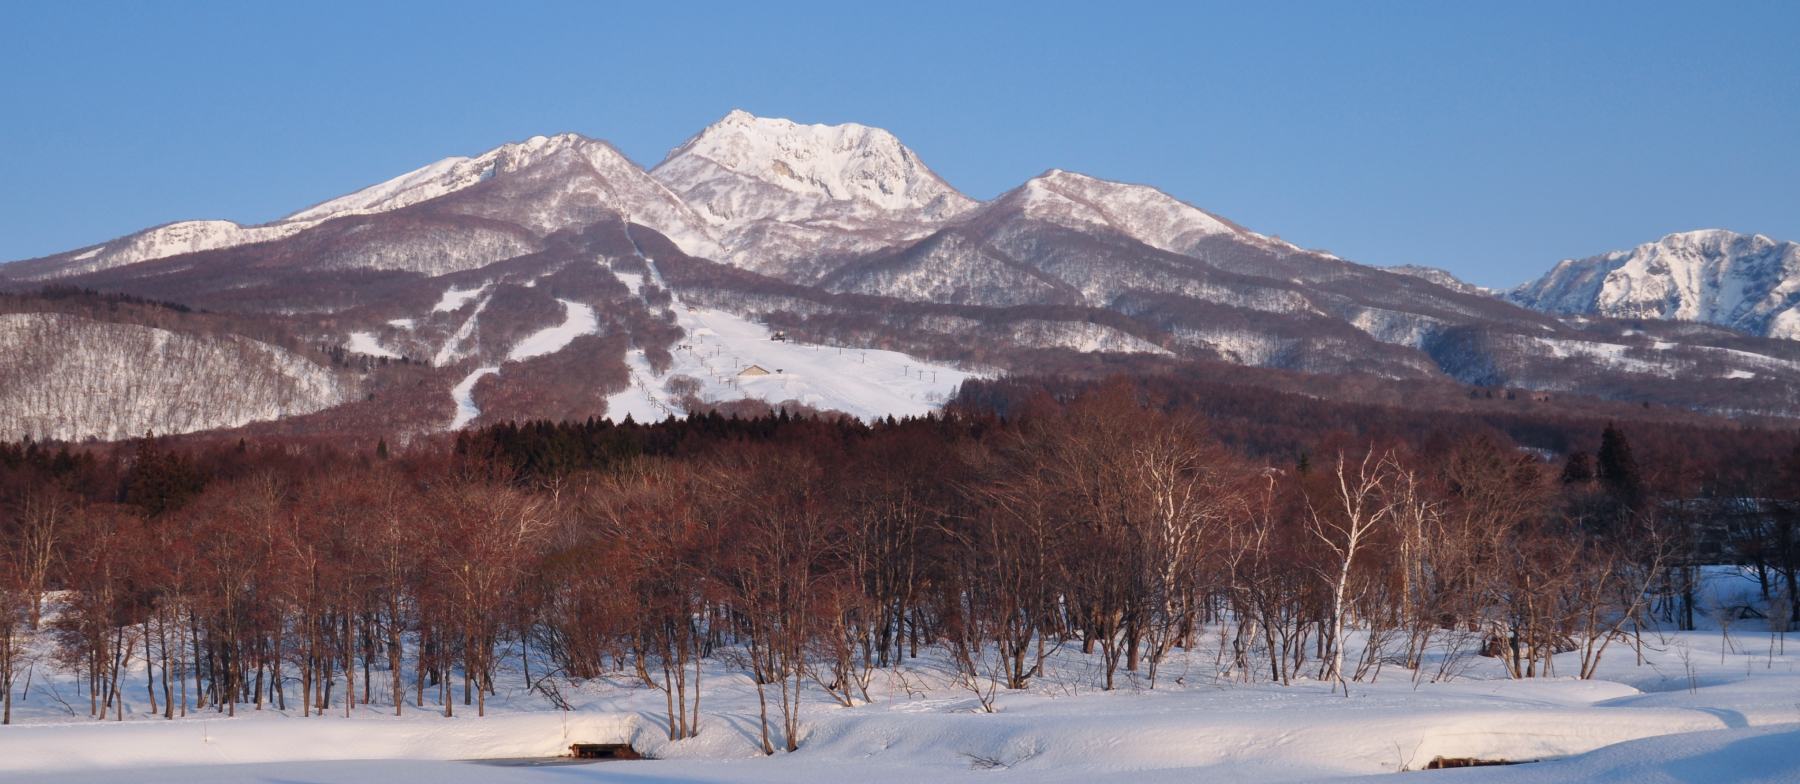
x,y
841,237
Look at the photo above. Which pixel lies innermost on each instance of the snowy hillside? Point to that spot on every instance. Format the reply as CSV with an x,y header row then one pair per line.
x,y
612,182
443,177
721,347
1140,212
776,192
1744,281
579,319
845,225
1440,277
70,378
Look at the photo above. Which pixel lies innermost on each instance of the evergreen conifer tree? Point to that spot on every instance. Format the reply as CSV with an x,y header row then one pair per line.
x,y
1578,469
1617,469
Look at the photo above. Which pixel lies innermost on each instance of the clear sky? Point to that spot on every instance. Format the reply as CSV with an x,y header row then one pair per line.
x,y
1488,139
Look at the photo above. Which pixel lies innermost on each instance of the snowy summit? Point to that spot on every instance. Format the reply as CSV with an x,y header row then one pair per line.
x,y
773,189
1744,281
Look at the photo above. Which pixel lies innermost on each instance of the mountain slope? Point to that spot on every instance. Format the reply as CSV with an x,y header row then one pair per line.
x,y
1743,281
1140,212
69,378
783,198
1069,239
549,277
587,175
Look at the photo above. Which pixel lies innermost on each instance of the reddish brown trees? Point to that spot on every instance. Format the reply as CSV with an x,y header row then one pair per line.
x,y
815,552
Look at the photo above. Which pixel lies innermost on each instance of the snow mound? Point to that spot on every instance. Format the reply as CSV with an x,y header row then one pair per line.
x,y
137,745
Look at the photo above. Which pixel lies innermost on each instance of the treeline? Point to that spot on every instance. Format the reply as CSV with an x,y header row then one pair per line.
x,y
813,553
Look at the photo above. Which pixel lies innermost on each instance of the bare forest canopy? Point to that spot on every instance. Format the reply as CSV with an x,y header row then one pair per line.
x,y
1118,518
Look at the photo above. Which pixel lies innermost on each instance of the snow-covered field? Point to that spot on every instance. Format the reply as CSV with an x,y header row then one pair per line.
x,y
1741,719
1704,706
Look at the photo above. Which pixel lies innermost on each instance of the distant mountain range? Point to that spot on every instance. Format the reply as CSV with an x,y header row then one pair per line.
x,y
554,277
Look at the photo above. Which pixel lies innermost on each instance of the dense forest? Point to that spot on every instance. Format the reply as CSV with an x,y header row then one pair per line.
x,y
1125,518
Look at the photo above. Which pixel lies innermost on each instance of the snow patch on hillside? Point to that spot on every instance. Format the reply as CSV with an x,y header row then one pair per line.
x,y
1243,347
365,343
1392,326
632,281
1611,354
453,300
452,348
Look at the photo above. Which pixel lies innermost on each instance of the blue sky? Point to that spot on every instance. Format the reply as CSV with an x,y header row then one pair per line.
x,y
1489,140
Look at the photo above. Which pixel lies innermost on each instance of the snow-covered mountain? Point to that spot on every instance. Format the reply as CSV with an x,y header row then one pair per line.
x,y
1439,276
587,174
70,378
1743,281
781,197
1140,212
549,278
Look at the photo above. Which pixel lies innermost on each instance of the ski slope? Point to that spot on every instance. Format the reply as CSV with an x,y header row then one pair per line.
x,y
578,320
867,384
365,343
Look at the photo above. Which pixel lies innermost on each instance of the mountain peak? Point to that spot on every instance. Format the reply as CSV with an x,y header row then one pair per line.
x,y
1139,211
848,164
611,180
1744,281
452,174
779,194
